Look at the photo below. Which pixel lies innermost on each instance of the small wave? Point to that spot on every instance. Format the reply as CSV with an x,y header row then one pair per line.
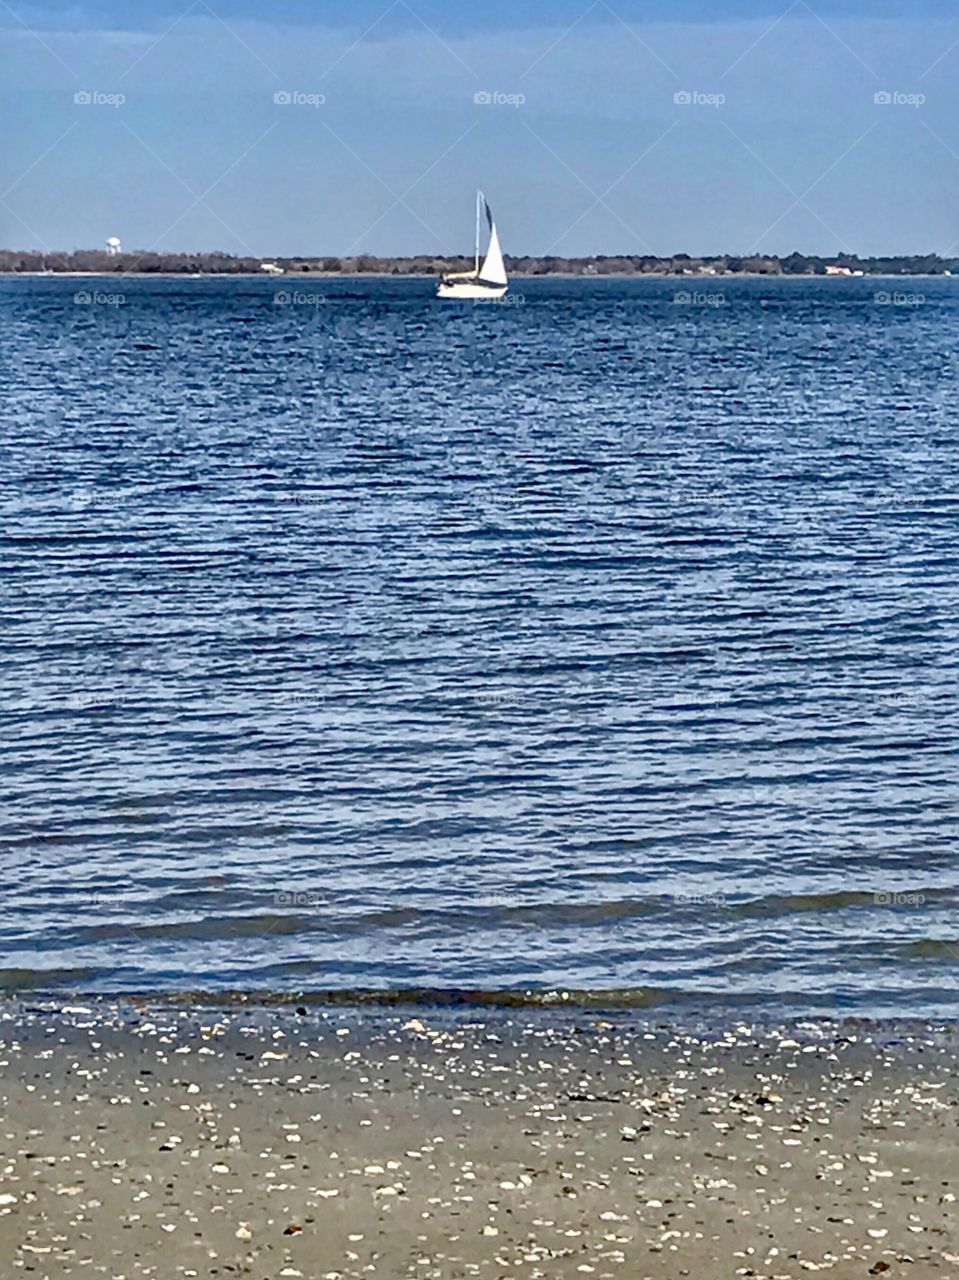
x,y
325,915
436,997
930,949
13,980
837,900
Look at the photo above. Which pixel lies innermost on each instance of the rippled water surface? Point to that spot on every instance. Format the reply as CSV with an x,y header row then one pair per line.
x,y
594,641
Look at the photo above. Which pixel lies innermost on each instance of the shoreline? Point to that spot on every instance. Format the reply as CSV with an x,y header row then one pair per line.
x,y
377,1008
681,1005
389,275
164,1141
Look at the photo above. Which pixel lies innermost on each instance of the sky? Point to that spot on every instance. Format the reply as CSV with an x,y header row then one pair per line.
x,y
364,126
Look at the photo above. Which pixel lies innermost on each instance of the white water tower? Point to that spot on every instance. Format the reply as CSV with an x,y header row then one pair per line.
x,y
113,247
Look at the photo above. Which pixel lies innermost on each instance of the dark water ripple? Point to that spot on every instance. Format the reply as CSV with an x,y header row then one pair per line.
x,y
597,642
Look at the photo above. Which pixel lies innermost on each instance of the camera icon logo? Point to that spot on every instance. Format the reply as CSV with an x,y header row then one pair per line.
x,y
83,298
483,98
682,98
882,98
83,98
283,98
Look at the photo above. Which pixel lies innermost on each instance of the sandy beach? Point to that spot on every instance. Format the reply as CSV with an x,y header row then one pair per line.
x,y
165,1141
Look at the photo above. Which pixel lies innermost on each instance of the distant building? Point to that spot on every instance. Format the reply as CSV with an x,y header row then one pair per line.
x,y
836,269
114,247
271,269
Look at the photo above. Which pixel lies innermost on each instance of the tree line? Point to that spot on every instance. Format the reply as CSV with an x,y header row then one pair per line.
x,y
219,263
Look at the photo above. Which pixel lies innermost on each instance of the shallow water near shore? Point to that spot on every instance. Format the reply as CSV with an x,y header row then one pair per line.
x,y
600,642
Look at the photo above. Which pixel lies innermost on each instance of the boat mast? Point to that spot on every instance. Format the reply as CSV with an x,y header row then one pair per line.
x,y
479,197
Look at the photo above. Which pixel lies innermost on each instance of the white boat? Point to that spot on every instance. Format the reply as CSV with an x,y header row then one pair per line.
x,y
487,282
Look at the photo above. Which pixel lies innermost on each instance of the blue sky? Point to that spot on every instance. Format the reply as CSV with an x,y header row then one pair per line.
x,y
622,126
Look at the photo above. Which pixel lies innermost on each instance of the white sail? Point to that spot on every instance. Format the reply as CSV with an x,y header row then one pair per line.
x,y
484,283
493,270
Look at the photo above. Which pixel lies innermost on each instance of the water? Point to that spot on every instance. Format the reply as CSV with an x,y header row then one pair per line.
x,y
592,641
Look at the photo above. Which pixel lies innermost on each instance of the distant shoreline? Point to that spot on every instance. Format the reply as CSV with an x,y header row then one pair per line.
x,y
681,266
416,275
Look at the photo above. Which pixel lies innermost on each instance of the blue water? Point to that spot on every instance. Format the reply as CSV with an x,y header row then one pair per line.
x,y
594,640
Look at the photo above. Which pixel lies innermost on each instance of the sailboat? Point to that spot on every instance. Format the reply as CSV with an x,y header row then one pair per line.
x,y
487,281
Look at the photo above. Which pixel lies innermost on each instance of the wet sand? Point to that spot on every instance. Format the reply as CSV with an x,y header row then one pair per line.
x,y
157,1141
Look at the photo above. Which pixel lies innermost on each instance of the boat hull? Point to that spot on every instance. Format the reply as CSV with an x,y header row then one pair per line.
x,y
463,291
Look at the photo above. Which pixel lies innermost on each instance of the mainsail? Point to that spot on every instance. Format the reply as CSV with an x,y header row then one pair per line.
x,y
493,270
